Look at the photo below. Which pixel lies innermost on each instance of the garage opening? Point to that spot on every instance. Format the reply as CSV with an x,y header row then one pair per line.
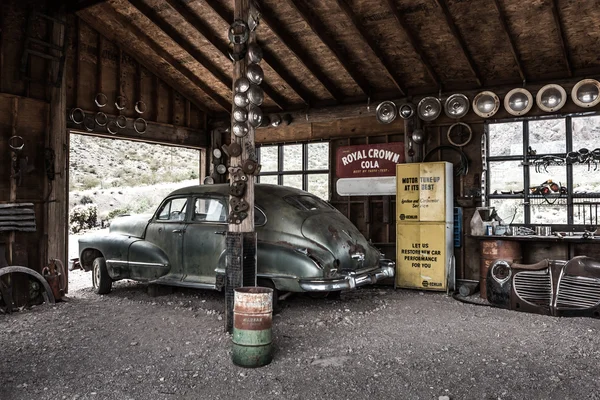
x,y
110,177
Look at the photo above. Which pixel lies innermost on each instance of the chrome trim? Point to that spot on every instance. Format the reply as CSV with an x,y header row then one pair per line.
x,y
137,263
347,282
534,287
577,292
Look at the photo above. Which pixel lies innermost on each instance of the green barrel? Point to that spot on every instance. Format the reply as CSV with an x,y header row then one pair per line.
x,y
252,323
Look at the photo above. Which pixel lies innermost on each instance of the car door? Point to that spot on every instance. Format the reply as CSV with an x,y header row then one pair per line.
x,y
204,241
167,231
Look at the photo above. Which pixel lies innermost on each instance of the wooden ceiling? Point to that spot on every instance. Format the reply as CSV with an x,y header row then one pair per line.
x,y
326,52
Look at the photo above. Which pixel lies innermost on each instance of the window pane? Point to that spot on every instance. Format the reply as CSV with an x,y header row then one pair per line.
x,y
318,184
586,211
553,177
586,179
293,181
292,157
549,211
173,210
586,133
269,157
506,139
510,210
272,179
505,176
318,156
210,210
548,136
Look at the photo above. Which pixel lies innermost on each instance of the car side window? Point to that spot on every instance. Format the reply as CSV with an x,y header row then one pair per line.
x,y
210,210
173,210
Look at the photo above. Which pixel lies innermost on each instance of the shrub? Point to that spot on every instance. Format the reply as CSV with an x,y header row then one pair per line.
x,y
83,217
86,200
116,212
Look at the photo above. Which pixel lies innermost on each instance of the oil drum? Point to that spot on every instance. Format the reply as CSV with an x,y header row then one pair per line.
x,y
492,250
252,326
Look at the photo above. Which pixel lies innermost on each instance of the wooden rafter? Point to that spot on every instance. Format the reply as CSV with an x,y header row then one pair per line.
x,y
372,45
285,38
513,47
181,41
413,42
561,36
317,28
460,40
192,19
144,38
268,57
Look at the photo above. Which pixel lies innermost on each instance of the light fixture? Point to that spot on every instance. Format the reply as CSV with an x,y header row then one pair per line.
x,y
586,93
551,98
456,106
386,112
429,108
518,101
406,110
486,104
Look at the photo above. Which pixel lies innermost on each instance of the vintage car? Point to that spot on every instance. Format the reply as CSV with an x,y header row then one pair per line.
x,y
303,244
550,287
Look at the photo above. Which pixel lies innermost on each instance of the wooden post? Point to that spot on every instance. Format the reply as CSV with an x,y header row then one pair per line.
x,y
58,203
241,238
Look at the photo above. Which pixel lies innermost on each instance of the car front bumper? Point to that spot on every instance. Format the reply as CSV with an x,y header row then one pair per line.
x,y
386,270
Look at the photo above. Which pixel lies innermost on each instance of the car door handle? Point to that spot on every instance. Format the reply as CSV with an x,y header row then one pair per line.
x,y
221,233
178,230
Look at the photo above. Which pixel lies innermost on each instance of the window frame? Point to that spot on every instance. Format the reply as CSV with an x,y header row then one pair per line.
x,y
305,171
526,162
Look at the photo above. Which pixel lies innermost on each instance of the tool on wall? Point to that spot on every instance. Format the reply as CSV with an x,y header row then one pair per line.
x,y
19,160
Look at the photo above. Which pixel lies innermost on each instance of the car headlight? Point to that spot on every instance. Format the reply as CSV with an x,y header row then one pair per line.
x,y
501,271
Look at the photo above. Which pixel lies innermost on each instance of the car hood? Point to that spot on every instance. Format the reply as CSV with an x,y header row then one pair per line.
x,y
343,240
131,225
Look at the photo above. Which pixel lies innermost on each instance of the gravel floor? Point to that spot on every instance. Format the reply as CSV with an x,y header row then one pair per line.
x,y
375,343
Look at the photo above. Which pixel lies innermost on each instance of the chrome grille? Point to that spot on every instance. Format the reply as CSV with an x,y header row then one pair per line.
x,y
534,287
577,292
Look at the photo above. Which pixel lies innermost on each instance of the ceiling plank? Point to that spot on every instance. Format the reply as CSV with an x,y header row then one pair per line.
x,y
372,45
325,37
268,57
513,47
561,36
414,43
109,12
195,21
285,38
460,40
181,41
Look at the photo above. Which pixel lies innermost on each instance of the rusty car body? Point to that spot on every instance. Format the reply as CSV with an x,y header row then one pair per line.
x,y
550,287
303,244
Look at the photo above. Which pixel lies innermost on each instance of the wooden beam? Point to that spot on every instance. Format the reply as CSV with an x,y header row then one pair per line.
x,y
372,45
268,57
414,43
561,36
77,60
155,133
144,38
181,41
325,37
192,19
305,59
513,47
460,40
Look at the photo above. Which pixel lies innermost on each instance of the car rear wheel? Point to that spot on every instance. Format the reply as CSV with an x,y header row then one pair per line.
x,y
269,284
100,278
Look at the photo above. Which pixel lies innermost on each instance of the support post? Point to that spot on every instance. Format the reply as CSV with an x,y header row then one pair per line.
x,y
241,237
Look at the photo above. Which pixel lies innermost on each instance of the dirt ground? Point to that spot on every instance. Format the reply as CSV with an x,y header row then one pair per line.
x,y
376,343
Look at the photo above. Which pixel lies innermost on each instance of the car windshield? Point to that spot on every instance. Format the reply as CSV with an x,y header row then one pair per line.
x,y
307,203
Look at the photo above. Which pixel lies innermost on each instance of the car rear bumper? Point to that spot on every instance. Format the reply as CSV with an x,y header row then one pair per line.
x,y
386,270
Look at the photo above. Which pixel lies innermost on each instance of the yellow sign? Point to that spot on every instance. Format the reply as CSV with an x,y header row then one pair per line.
x,y
422,192
422,255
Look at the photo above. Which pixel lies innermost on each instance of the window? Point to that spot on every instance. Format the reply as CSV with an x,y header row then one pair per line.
x,y
303,166
545,171
209,210
173,210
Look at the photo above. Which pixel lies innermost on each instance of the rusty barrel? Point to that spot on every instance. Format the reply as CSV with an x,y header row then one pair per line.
x,y
492,250
252,323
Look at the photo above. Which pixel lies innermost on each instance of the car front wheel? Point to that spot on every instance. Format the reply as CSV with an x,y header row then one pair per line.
x,y
100,278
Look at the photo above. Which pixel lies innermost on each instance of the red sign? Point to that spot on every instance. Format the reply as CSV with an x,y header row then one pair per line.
x,y
369,160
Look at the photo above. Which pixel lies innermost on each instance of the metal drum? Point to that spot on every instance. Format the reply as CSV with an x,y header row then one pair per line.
x,y
252,323
492,250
